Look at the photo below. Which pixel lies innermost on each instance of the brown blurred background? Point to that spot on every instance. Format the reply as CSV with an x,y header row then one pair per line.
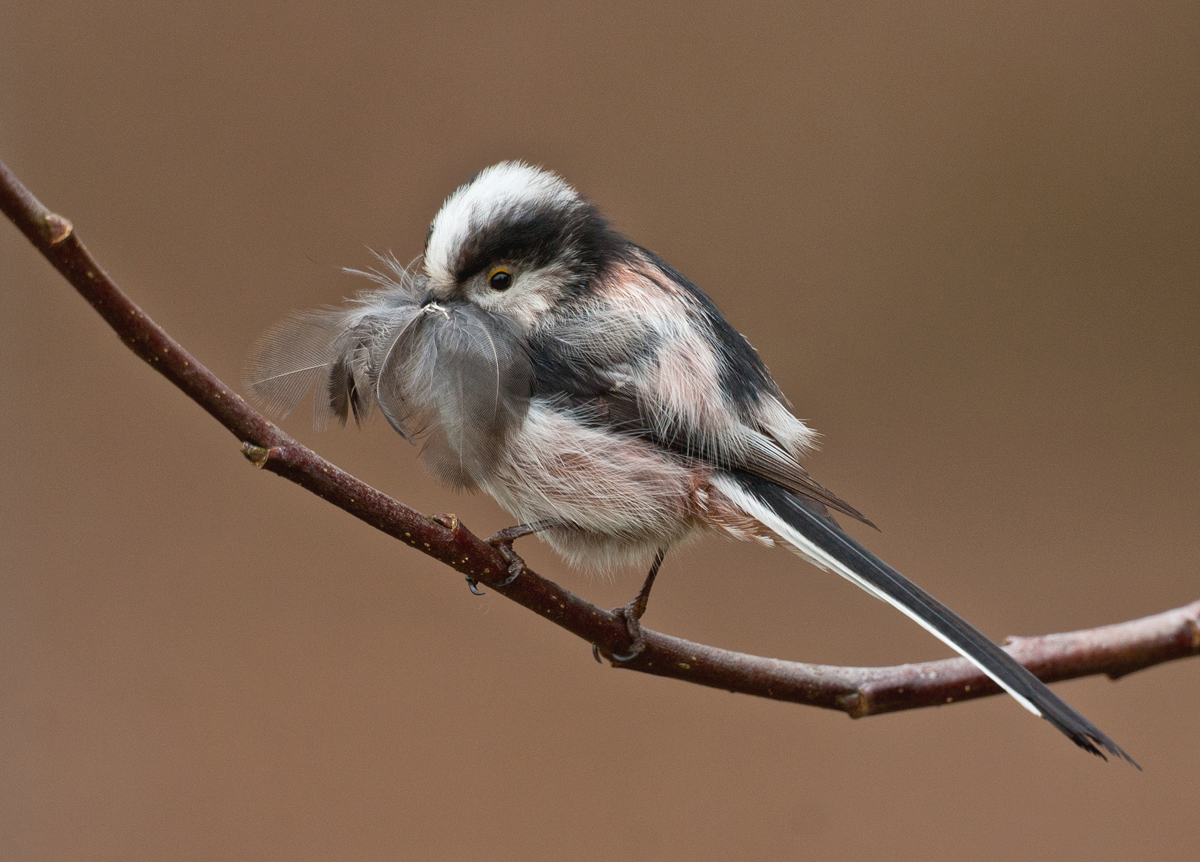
x,y
967,241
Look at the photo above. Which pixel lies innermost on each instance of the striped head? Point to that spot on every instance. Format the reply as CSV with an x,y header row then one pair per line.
x,y
517,240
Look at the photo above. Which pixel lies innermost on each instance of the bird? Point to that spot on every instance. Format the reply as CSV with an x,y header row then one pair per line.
x,y
536,354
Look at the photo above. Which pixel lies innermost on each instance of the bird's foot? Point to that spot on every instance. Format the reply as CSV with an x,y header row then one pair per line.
x,y
631,615
503,542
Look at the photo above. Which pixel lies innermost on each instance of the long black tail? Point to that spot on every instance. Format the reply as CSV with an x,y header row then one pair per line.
x,y
819,539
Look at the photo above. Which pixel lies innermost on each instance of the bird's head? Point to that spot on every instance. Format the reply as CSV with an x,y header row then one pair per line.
x,y
516,240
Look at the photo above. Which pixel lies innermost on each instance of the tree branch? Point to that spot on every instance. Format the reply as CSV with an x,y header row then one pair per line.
x,y
1113,650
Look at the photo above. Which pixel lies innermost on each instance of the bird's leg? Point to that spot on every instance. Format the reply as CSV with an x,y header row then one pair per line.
x,y
632,612
503,542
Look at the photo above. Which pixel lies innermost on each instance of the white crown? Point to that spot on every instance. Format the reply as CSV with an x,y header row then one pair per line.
x,y
495,192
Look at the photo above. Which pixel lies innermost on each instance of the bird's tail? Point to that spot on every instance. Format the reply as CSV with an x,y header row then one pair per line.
x,y
815,536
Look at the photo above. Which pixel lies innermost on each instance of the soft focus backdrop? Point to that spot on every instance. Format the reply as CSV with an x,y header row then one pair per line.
x,y
967,242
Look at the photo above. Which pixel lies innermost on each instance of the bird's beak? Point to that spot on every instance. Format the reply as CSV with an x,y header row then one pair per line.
x,y
430,306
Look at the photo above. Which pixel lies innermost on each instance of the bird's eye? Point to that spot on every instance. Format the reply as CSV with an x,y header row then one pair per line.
x,y
500,279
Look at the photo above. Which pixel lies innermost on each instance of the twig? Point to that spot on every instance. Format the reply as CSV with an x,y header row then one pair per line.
x,y
1114,650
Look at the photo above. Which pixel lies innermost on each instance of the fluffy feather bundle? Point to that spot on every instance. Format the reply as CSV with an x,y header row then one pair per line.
x,y
450,375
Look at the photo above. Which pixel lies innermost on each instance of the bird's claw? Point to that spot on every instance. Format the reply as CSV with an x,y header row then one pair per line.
x,y
632,612
633,625
451,523
503,542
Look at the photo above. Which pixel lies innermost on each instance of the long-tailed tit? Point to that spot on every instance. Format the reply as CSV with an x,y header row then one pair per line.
x,y
598,395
